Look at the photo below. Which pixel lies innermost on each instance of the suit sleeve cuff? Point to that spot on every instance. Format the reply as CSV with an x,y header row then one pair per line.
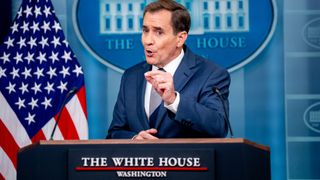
x,y
174,106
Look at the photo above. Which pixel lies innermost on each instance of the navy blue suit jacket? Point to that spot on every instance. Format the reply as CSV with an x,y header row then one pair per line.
x,y
200,111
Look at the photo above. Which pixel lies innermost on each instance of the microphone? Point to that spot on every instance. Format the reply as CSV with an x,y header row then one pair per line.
x,y
69,94
216,90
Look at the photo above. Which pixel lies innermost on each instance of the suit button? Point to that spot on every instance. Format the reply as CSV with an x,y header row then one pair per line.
x,y
183,122
186,123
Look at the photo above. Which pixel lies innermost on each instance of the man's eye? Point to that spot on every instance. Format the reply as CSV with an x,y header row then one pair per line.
x,y
159,32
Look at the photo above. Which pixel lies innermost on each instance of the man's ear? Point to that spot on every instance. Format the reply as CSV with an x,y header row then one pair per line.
x,y
182,37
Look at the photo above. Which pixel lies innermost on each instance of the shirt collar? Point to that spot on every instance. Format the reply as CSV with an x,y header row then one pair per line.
x,y
173,65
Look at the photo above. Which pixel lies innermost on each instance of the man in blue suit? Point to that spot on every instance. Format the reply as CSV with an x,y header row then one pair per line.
x,y
171,94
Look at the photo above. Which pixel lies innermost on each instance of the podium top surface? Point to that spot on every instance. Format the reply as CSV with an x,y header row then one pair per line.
x,y
158,141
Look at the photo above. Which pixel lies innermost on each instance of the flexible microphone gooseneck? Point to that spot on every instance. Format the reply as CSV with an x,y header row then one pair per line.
x,y
69,94
216,90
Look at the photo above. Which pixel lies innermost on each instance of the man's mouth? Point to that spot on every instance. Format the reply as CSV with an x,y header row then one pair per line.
x,y
149,53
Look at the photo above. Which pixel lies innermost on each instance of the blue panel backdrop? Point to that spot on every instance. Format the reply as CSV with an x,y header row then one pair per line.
x,y
259,105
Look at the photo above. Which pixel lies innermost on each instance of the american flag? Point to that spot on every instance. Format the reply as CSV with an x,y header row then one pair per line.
x,y
37,72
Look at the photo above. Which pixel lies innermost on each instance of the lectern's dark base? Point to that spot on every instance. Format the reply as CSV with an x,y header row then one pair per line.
x,y
231,158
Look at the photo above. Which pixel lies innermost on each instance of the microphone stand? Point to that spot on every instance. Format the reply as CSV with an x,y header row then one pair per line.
x,y
70,93
216,90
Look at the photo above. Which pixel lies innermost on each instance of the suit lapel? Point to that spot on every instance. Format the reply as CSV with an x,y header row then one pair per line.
x,y
181,77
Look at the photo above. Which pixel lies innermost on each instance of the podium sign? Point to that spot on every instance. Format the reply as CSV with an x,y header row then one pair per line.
x,y
173,163
208,158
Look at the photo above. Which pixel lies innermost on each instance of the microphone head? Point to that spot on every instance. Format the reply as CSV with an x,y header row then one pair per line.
x,y
215,89
72,91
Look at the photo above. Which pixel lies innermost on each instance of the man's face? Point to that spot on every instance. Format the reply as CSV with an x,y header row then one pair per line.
x,y
160,43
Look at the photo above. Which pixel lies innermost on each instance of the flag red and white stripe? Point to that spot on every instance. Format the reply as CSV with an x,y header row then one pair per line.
x,y
37,70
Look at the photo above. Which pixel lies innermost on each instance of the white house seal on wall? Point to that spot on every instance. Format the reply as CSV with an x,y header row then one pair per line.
x,y
225,31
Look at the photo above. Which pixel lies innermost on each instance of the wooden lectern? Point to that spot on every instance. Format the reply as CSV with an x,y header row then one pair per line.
x,y
200,159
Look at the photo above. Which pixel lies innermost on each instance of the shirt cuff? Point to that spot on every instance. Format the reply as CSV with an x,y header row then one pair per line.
x,y
174,106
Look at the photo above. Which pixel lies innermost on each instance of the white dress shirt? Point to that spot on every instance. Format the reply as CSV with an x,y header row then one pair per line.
x,y
170,68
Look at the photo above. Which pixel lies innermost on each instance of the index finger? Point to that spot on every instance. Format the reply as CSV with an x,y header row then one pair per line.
x,y
153,73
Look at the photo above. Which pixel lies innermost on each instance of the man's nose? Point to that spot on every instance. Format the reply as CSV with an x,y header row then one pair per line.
x,y
148,39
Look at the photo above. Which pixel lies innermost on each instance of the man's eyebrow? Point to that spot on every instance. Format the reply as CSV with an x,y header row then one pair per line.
x,y
154,28
158,28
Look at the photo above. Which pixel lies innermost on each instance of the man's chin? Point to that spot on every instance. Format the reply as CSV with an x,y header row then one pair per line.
x,y
151,61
